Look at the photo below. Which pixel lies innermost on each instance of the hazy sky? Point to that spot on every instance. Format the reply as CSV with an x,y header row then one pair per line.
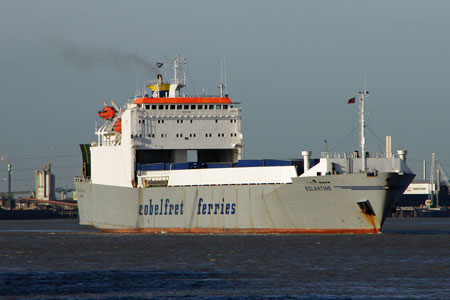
x,y
293,65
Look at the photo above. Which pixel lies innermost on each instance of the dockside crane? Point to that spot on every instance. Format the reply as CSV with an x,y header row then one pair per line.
x,y
436,167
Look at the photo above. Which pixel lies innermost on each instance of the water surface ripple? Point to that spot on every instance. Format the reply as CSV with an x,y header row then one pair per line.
x,y
59,259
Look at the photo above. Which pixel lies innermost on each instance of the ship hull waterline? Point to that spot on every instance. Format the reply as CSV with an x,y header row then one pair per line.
x,y
320,204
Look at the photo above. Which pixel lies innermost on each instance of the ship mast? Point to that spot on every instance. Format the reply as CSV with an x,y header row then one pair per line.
x,y
362,96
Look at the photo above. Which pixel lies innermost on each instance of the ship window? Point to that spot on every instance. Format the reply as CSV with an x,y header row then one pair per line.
x,y
147,106
159,121
218,106
194,134
161,106
162,135
217,121
143,121
231,134
177,134
172,106
181,121
186,107
179,106
210,135
190,135
192,106
162,121
206,135
178,121
200,106
218,134
225,106
154,106
191,121
139,121
211,106
181,135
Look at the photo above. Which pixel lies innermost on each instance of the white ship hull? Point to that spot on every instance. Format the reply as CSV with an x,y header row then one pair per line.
x,y
345,203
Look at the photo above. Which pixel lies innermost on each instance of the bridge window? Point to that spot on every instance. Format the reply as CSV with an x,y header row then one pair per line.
x,y
154,106
172,106
147,107
192,106
211,106
225,106
160,106
200,106
186,106
179,106
218,106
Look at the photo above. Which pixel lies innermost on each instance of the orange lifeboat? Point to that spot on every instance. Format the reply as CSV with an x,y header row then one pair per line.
x,y
118,125
107,113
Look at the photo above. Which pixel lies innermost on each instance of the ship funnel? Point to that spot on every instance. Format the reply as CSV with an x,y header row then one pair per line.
x,y
160,78
306,157
402,154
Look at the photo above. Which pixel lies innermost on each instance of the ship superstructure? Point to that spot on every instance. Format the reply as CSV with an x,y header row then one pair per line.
x,y
162,128
137,177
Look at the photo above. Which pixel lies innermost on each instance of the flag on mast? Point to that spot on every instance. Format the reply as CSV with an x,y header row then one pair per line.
x,y
351,100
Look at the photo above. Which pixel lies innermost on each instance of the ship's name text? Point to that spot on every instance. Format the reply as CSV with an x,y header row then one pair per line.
x,y
309,188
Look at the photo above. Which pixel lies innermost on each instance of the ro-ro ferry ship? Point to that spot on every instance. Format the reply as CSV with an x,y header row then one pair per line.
x,y
136,177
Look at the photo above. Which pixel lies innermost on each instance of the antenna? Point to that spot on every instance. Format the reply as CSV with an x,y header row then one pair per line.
x,y
184,74
221,86
225,70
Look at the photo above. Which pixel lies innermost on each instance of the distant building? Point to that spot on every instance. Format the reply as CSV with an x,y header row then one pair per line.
x,y
45,184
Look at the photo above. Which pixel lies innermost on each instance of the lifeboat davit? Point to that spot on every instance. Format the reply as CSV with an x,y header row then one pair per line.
x,y
107,113
118,125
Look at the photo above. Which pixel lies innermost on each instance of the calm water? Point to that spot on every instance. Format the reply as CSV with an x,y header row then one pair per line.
x,y
59,259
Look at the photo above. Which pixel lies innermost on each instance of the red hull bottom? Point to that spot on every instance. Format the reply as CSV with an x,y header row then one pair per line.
x,y
241,231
